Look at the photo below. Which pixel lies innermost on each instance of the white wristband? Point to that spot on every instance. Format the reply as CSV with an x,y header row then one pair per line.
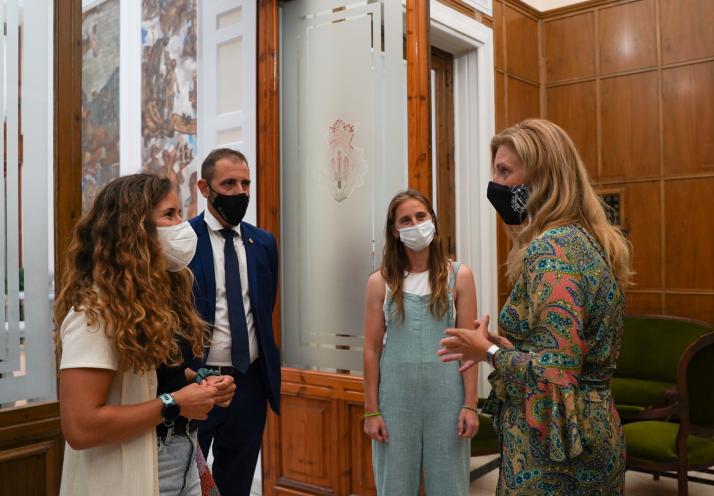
x,y
490,352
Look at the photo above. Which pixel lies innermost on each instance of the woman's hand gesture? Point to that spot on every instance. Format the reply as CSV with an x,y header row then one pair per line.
x,y
468,423
375,428
466,345
225,388
196,400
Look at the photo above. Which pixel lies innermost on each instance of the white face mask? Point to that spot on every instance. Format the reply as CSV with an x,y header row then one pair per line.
x,y
418,237
179,244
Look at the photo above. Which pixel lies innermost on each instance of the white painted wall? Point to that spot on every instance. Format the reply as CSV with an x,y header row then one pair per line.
x,y
544,5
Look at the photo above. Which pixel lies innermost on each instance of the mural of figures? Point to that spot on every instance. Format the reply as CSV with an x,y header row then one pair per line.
x,y
168,72
100,98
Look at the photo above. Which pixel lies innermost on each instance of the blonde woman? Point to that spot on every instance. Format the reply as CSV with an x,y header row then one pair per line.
x,y
126,327
561,325
419,413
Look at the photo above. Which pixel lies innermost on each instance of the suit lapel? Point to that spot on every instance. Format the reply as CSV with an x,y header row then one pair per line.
x,y
250,257
205,257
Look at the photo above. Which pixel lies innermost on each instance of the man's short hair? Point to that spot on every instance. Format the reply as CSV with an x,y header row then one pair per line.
x,y
209,163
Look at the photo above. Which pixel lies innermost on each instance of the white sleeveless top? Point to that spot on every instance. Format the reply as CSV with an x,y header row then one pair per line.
x,y
417,283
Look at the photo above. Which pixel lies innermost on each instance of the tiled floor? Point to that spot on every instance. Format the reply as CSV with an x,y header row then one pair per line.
x,y
636,484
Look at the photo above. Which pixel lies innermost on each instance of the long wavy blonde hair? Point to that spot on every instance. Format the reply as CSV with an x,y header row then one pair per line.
x,y
115,273
395,261
560,194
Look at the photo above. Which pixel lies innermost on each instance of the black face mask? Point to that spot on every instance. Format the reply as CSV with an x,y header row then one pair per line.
x,y
509,201
231,207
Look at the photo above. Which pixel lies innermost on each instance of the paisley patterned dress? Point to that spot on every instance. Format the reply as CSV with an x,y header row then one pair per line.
x,y
551,401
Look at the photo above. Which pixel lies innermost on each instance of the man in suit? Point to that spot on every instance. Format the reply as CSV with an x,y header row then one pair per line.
x,y
236,276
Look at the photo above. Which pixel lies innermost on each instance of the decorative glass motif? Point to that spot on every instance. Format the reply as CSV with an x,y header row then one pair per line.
x,y
347,166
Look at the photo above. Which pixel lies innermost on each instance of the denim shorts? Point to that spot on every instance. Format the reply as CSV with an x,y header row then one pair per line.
x,y
178,471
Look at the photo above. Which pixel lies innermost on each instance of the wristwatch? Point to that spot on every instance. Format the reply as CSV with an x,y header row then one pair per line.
x,y
171,410
490,352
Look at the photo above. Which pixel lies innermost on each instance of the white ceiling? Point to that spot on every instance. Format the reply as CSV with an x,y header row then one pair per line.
x,y
544,5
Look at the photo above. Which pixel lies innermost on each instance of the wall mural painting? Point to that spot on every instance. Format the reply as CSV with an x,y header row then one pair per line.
x,y
168,71
100,98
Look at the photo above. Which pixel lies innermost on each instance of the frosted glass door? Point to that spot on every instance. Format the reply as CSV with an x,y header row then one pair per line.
x,y
27,365
344,139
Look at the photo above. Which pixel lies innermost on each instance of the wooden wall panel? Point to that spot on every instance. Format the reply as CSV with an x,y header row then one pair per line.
x,y
516,98
522,45
30,470
500,83
31,450
688,104
498,56
643,303
630,133
689,235
308,455
573,107
570,47
362,481
645,233
523,101
655,133
700,307
687,30
627,37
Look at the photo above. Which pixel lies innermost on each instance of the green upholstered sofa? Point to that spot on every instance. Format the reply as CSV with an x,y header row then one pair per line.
x,y
645,382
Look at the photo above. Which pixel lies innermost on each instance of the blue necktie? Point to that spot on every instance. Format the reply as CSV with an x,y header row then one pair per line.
x,y
240,355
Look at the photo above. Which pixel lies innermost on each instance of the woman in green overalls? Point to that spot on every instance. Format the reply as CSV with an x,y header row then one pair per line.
x,y
419,412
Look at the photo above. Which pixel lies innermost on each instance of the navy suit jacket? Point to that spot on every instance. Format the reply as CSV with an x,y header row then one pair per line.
x,y
262,259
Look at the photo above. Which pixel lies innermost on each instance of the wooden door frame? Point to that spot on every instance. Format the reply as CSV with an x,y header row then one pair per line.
x,y
68,126
345,392
443,130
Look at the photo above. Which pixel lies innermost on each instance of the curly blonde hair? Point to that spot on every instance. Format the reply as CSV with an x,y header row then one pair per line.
x,y
395,262
560,194
115,273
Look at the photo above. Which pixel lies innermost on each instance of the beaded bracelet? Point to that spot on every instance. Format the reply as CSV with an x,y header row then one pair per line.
x,y
373,414
466,407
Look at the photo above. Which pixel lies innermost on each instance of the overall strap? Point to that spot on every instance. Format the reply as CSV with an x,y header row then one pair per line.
x,y
387,305
452,277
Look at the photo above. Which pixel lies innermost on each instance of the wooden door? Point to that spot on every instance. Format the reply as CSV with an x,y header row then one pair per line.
x,y
442,65
317,445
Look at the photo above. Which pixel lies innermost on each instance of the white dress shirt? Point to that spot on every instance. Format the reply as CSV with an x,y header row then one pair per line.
x,y
220,351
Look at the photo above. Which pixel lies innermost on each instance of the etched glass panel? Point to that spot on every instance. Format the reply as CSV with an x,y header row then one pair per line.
x,y
343,108
27,365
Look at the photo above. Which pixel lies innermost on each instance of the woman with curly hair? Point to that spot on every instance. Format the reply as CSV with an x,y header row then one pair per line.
x,y
561,325
126,327
420,414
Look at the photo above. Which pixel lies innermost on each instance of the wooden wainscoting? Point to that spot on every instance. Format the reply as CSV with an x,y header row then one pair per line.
x,y
323,448
31,449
